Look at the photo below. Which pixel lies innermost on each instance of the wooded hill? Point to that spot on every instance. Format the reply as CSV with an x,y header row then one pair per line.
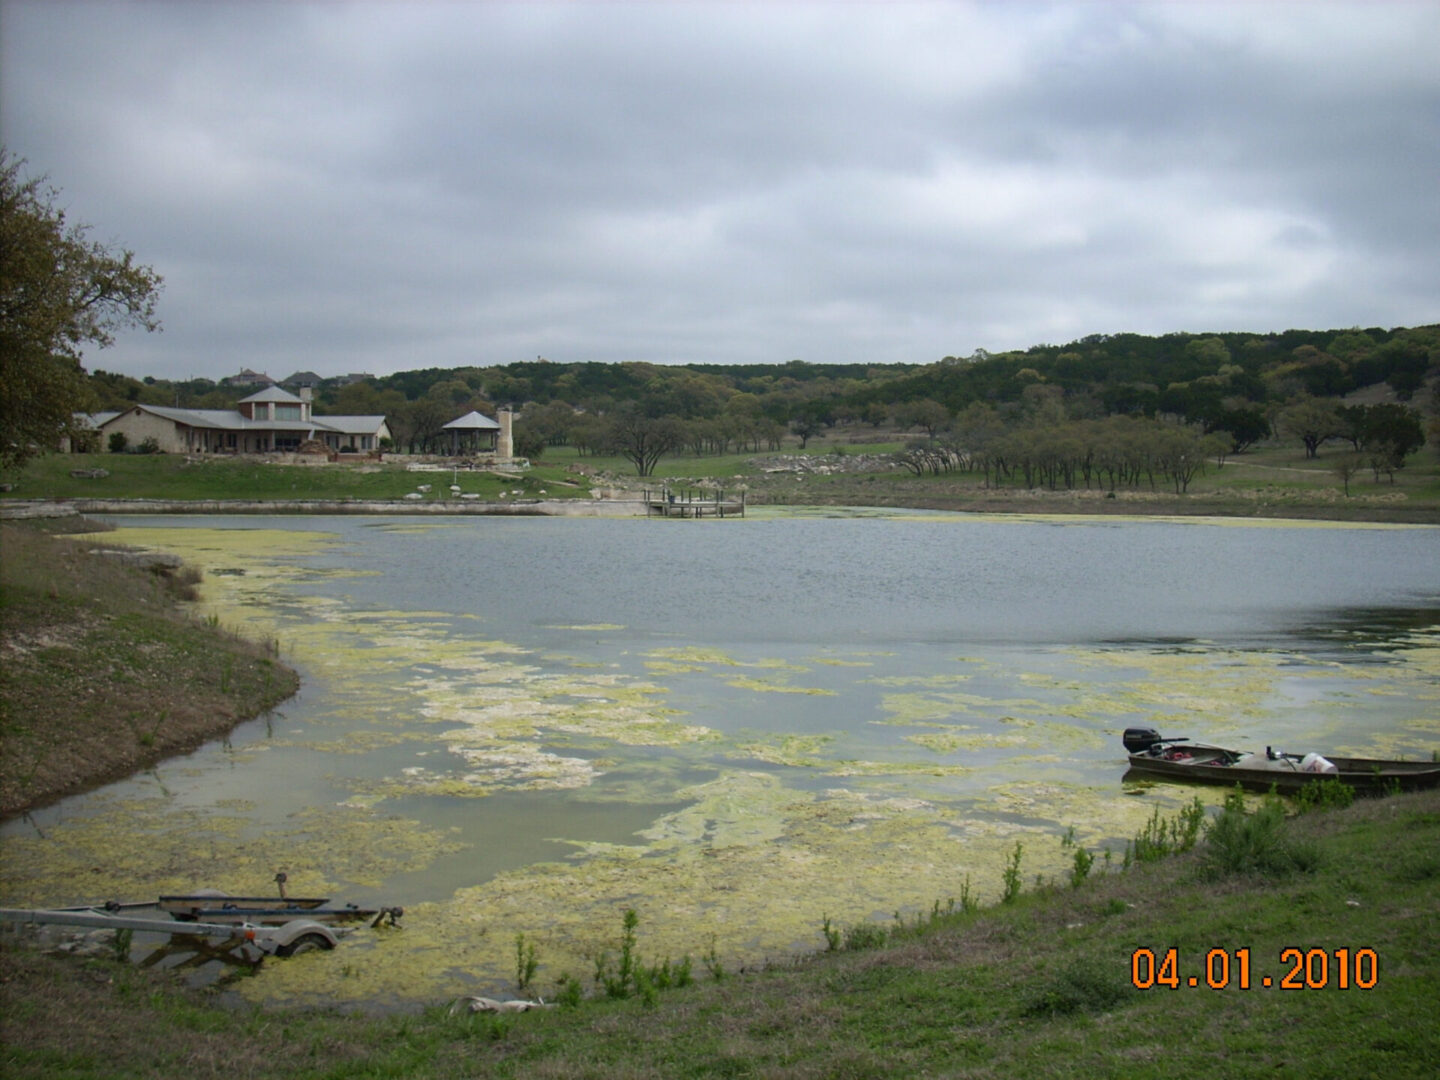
x,y
1237,385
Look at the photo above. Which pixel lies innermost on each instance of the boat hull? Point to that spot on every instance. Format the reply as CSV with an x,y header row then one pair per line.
x,y
1365,775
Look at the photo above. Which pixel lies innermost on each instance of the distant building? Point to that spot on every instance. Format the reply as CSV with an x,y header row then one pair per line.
x,y
270,420
301,380
472,432
87,434
247,378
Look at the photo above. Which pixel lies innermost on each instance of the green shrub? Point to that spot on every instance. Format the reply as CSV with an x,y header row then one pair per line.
x,y
568,991
864,936
1163,837
1084,984
1241,842
1324,795
1012,875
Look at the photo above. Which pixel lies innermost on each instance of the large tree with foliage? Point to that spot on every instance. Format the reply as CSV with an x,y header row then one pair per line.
x,y
643,440
60,291
1312,421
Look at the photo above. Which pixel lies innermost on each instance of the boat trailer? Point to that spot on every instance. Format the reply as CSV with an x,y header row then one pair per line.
x,y
217,940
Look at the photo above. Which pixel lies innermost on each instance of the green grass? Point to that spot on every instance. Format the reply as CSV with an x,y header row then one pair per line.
x,y
739,467
173,476
1266,481
1040,987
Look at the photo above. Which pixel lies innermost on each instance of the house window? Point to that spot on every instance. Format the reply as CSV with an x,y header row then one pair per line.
x,y
367,442
287,412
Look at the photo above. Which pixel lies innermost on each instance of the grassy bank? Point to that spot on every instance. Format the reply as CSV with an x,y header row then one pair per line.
x,y
176,476
1043,986
1266,482
103,674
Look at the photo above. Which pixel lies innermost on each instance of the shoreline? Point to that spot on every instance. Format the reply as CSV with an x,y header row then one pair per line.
x,y
52,508
1022,503
108,640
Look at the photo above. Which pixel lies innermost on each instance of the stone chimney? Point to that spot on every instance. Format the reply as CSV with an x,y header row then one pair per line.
x,y
505,443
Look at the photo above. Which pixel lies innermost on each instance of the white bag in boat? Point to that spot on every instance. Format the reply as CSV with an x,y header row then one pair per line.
x,y
1314,763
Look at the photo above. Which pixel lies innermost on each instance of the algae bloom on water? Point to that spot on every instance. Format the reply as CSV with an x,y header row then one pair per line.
x,y
505,740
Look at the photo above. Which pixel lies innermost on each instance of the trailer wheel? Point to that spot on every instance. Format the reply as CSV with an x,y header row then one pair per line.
x,y
303,944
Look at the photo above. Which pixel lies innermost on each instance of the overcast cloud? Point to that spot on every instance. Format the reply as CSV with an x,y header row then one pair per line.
x,y
387,186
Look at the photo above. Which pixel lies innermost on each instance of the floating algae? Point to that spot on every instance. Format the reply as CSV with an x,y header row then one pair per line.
x,y
693,657
771,686
144,847
508,766
962,737
745,837
792,750
750,868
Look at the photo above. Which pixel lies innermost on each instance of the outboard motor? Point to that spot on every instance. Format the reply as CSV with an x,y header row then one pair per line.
x,y
1140,740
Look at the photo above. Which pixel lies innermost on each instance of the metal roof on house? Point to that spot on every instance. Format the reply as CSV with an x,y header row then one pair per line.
x,y
472,421
349,425
272,393
229,420
223,419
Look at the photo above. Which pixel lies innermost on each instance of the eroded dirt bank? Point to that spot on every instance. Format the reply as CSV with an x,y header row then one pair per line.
x,y
102,674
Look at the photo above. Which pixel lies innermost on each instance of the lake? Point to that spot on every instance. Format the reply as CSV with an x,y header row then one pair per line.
x,y
736,728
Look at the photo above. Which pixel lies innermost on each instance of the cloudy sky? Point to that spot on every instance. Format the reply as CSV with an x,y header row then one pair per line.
x,y
385,186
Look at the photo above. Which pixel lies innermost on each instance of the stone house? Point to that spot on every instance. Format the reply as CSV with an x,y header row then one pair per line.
x,y
270,420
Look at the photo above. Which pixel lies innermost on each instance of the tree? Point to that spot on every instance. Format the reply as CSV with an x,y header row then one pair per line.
x,y
1310,421
1245,426
805,426
529,442
1409,363
1389,434
643,440
1345,467
60,291
926,414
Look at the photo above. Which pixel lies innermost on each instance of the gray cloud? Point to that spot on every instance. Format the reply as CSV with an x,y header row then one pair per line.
x,y
384,186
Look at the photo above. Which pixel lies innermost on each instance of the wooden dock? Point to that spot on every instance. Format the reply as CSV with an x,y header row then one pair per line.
x,y
693,503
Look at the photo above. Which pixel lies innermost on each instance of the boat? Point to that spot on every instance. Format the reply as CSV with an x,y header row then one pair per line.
x,y
1153,755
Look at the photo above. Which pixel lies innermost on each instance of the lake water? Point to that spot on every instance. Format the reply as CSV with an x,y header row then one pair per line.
x,y
735,727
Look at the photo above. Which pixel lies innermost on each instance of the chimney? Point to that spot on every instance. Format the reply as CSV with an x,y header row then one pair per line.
x,y
505,444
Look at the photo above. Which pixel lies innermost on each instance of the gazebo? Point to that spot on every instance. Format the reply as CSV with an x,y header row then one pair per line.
x,y
472,433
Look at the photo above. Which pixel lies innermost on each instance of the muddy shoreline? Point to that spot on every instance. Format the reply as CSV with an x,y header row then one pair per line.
x,y
1130,504
42,508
